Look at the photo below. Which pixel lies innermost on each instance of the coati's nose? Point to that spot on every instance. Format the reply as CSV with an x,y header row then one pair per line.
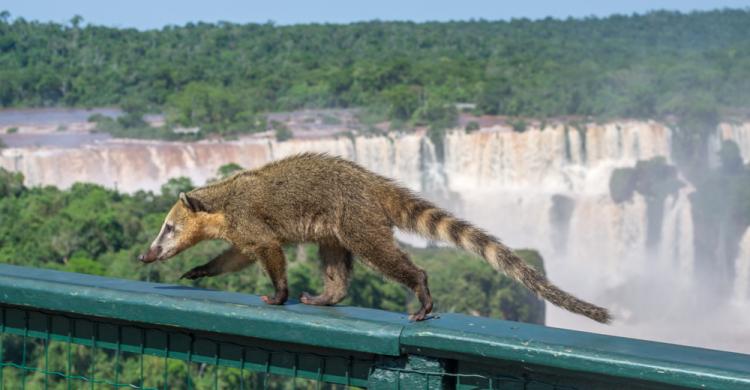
x,y
151,255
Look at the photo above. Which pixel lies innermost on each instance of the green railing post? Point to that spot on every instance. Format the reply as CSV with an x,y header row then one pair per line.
x,y
386,375
424,373
410,372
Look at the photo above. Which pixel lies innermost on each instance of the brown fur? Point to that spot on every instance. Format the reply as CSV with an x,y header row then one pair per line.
x,y
347,210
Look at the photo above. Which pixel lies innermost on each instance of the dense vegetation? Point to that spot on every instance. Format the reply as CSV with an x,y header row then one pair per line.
x,y
692,68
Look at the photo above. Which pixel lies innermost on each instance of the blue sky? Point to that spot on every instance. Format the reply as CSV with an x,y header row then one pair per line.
x,y
144,14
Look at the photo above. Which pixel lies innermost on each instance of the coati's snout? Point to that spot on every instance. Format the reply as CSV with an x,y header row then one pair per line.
x,y
151,255
182,228
167,242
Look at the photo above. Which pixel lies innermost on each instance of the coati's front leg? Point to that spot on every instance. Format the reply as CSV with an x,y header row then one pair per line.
x,y
337,269
272,258
231,260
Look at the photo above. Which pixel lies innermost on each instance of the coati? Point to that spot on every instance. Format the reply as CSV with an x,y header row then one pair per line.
x,y
344,208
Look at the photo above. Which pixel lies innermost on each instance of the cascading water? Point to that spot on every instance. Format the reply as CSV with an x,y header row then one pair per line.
x,y
742,270
544,188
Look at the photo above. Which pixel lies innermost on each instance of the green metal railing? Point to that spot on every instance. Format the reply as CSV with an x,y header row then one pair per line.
x,y
70,331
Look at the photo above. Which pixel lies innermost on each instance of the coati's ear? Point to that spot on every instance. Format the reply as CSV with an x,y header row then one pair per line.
x,y
191,204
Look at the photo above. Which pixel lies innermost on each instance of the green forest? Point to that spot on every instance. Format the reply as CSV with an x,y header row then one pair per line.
x,y
691,68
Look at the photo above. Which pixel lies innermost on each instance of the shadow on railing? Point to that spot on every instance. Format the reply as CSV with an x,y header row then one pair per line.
x,y
66,330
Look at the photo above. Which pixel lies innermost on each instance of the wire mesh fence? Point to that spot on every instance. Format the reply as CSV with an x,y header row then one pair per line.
x,y
411,379
50,350
56,351
34,357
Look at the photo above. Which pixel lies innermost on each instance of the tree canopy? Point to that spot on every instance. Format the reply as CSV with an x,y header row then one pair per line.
x,y
695,66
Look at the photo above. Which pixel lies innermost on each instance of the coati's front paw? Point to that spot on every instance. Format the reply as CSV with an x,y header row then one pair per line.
x,y
196,273
274,300
277,299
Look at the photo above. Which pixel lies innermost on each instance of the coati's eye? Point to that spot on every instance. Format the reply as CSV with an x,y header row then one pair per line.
x,y
168,228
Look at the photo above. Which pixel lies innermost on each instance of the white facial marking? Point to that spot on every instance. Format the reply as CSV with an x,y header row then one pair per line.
x,y
166,239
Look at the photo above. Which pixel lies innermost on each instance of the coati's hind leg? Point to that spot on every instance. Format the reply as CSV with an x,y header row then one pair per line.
x,y
337,268
231,260
378,249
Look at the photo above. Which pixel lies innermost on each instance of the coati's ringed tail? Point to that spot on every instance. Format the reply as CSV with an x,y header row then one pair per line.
x,y
411,213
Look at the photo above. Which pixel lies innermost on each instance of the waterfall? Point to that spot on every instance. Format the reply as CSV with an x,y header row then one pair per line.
x,y
742,268
739,133
675,248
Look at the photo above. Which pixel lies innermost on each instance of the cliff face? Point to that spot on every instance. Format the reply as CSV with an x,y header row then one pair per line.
x,y
496,159
547,189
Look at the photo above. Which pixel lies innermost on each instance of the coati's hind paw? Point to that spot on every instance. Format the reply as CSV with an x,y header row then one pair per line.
x,y
316,300
418,316
422,314
196,273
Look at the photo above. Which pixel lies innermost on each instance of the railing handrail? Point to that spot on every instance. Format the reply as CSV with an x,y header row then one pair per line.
x,y
371,331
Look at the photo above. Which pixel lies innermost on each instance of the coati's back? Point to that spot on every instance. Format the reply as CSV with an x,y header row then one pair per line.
x,y
306,196
308,173
313,180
